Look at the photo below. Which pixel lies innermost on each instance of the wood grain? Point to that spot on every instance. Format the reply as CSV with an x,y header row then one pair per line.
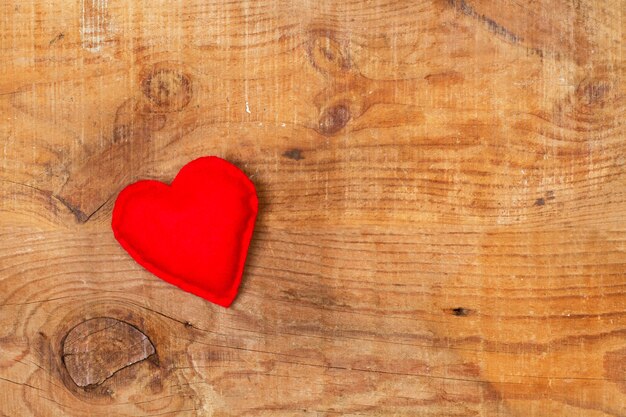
x,y
442,202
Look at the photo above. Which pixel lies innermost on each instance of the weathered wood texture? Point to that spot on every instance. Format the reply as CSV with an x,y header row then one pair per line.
x,y
442,192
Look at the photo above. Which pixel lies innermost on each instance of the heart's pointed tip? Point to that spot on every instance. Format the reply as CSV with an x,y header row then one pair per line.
x,y
225,304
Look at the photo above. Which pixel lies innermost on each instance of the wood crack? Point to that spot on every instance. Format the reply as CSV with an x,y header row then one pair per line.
x,y
97,349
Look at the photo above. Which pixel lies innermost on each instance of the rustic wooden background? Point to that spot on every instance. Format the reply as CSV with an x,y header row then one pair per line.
x,y
442,225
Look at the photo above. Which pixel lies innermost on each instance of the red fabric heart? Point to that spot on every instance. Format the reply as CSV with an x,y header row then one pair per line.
x,y
194,233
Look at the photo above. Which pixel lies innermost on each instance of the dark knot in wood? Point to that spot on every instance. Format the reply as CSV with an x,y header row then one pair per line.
x,y
295,154
334,119
594,91
96,349
167,89
460,311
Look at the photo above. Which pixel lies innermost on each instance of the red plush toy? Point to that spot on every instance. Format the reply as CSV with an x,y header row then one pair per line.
x,y
194,233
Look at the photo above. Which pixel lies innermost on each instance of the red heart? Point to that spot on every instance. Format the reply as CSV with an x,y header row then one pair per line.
x,y
194,233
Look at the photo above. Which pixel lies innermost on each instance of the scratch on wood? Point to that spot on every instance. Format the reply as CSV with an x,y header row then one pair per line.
x,y
57,38
495,27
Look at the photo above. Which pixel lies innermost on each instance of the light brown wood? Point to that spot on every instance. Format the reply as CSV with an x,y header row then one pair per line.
x,y
442,207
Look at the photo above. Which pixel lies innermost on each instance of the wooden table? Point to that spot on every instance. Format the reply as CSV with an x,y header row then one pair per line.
x,y
442,194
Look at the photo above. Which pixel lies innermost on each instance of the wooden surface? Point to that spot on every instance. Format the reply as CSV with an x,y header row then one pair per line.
x,y
442,190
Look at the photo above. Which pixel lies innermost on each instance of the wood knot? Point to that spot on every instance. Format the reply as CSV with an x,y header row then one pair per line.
x,y
541,201
594,91
295,154
167,89
96,349
333,119
459,311
326,54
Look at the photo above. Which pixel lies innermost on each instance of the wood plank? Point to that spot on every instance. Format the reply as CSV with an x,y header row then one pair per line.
x,y
442,199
